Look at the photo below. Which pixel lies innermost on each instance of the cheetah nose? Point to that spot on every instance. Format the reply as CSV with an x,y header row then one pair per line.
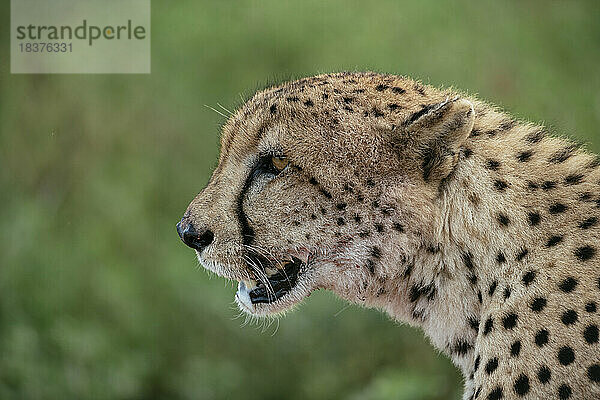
x,y
195,239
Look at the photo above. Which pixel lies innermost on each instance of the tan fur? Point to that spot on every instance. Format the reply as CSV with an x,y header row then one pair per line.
x,y
421,202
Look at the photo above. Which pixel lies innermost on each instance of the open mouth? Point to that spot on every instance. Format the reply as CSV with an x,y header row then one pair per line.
x,y
279,282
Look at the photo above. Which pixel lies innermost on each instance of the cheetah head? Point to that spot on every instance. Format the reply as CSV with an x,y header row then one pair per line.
x,y
325,183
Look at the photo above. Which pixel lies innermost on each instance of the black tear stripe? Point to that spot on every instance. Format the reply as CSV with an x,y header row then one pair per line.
x,y
246,229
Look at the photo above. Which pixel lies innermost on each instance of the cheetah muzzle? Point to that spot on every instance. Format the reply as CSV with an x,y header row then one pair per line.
x,y
425,203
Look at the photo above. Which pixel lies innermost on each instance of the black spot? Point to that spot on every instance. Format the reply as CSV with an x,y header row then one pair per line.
x,y
544,374
496,394
468,260
503,219
357,218
375,252
325,193
477,360
554,240
500,185
292,99
522,385
535,137
340,221
541,337
538,304
573,179
522,254
524,156
381,87
515,348
309,103
379,228
568,285
417,291
313,181
590,334
588,223
377,113
491,365
492,288
273,108
364,234
587,196
493,165
488,326
461,347
370,183
510,321
532,186
557,208
393,106
473,323
418,315
584,253
564,391
569,317
528,277
398,90
341,206
593,373
408,271
433,249
562,155
566,355
313,216
479,297
472,279
548,185
500,257
506,293
348,100
323,210
534,218
371,266
507,125
397,226
591,307
467,152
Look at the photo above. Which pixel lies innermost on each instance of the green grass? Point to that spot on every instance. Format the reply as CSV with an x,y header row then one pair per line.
x,y
100,300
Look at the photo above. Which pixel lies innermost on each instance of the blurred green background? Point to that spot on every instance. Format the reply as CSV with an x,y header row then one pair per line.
x,y
98,297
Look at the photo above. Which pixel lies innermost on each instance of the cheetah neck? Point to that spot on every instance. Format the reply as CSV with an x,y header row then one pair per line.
x,y
498,214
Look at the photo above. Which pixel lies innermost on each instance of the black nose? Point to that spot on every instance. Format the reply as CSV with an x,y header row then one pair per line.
x,y
195,239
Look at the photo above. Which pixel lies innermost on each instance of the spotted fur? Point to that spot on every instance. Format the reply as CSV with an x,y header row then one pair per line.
x,y
431,205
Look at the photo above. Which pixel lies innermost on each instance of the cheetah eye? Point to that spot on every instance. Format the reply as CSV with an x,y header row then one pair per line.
x,y
279,163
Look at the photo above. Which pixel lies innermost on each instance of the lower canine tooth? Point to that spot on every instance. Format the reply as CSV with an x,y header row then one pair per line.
x,y
270,271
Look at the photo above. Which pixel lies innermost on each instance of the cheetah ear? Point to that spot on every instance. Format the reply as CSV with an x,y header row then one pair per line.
x,y
439,130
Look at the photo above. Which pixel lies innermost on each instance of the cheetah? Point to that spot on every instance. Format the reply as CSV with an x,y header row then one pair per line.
x,y
426,203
